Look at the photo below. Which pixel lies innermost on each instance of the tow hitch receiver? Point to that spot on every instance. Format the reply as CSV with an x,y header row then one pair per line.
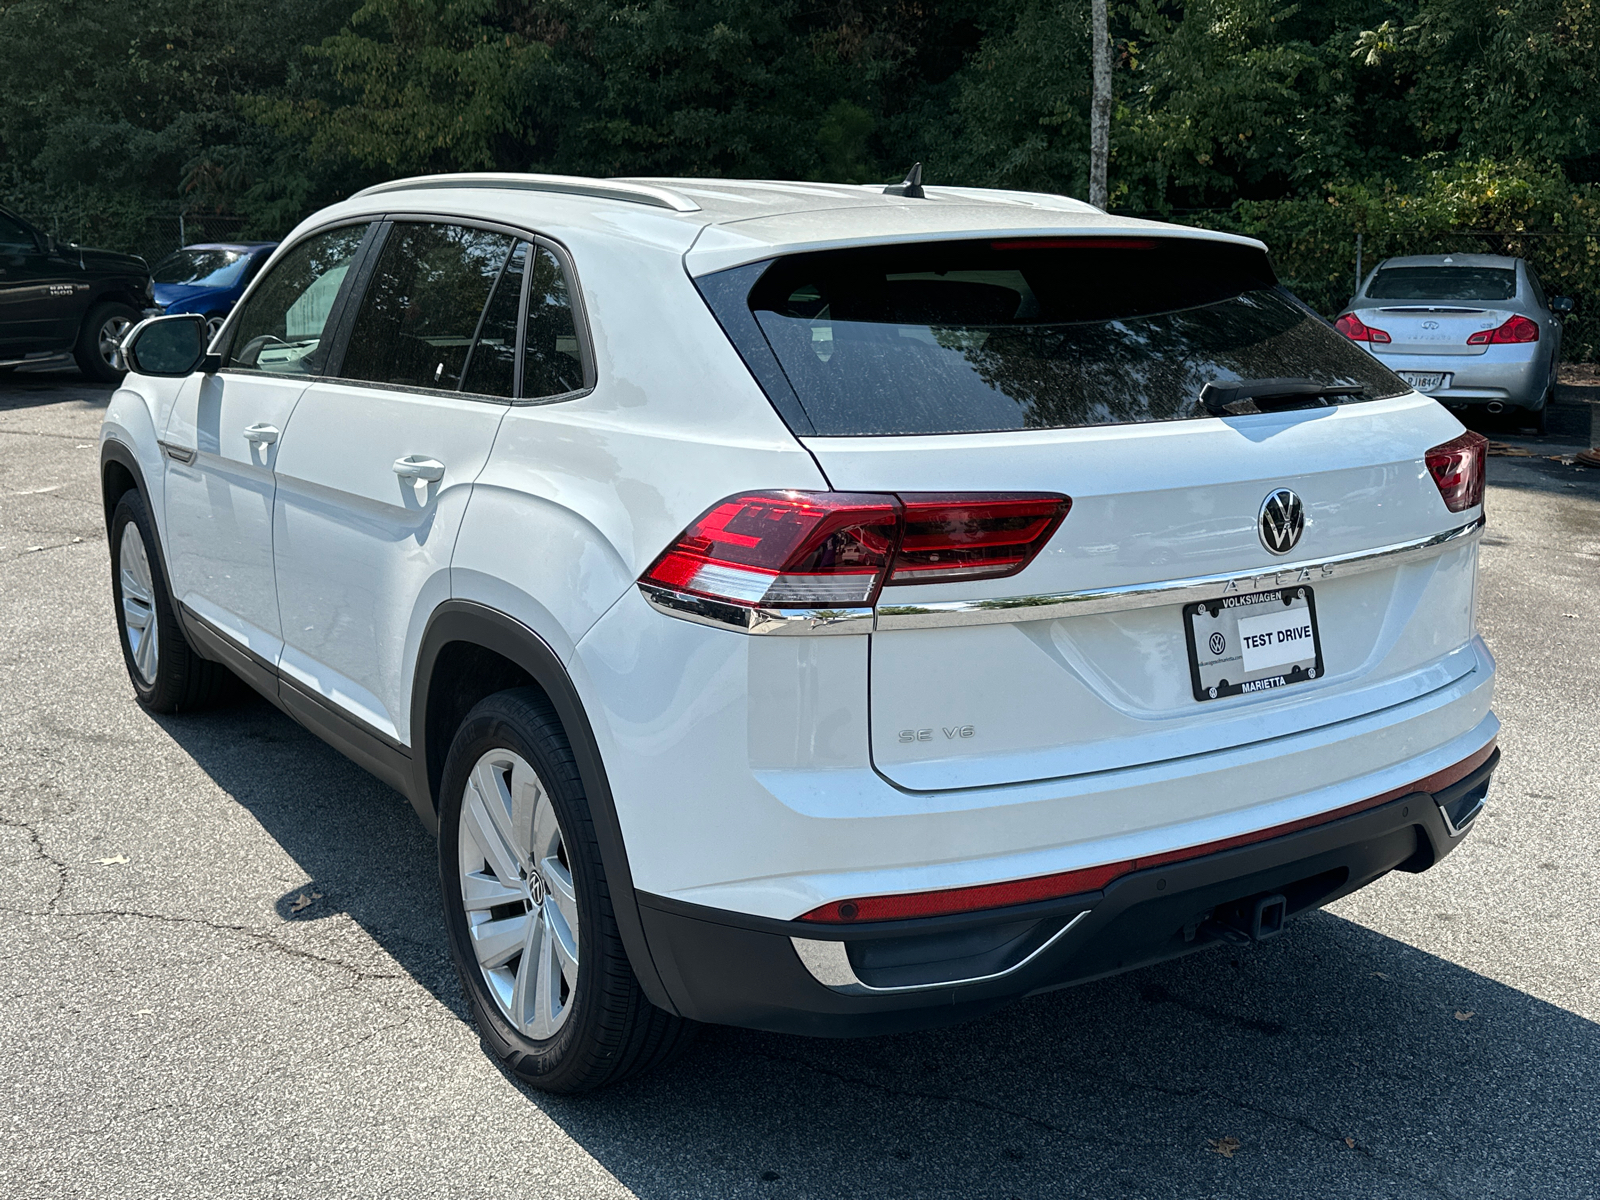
x,y
1241,923
1267,920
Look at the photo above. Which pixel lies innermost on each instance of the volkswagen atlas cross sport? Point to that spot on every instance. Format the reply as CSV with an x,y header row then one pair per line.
x,y
809,608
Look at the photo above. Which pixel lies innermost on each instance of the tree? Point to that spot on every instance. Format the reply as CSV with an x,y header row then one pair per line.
x,y
1100,105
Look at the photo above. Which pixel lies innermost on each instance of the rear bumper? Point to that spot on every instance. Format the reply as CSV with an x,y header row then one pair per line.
x,y
832,980
1508,374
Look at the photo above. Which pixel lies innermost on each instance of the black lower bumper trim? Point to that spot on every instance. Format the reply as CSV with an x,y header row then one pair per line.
x,y
733,969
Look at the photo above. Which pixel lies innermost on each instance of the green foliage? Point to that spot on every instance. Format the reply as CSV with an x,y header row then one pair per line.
x,y
109,112
1518,208
1422,124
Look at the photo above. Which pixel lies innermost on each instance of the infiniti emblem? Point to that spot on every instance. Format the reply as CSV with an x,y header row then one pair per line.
x,y
1430,324
1282,521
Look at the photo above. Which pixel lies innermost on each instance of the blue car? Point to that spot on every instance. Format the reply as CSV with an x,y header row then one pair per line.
x,y
208,278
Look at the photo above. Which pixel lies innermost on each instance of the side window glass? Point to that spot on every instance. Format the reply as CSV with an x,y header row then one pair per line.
x,y
282,325
421,311
1538,288
551,364
14,237
492,369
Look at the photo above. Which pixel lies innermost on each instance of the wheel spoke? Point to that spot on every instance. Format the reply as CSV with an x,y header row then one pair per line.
x,y
547,990
521,1009
145,657
546,832
524,796
562,940
484,814
136,613
498,942
481,892
558,883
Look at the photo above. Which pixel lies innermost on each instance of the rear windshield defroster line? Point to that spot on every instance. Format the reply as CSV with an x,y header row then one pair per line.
x,y
982,336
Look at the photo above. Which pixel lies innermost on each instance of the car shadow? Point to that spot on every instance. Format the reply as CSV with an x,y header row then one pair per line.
x,y
1333,1061
35,389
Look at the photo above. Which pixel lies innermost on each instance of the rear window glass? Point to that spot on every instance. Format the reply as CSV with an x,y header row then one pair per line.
x,y
964,337
201,268
1444,283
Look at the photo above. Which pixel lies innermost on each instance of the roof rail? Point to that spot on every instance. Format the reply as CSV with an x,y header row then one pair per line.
x,y
571,185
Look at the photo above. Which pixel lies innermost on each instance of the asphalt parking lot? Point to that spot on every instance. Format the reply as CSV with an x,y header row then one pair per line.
x,y
223,971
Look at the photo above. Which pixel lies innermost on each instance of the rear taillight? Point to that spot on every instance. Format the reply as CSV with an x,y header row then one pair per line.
x,y
1517,329
837,549
1357,331
822,549
1457,468
948,538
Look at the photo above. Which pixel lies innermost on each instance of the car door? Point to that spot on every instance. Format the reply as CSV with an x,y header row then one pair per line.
x,y
36,292
221,440
377,465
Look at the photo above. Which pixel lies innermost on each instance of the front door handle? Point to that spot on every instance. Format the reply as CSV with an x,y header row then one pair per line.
x,y
261,434
414,466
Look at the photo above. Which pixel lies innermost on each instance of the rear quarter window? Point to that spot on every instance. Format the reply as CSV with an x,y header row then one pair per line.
x,y
1038,333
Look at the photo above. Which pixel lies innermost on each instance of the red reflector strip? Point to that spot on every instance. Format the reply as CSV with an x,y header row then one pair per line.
x,y
1092,879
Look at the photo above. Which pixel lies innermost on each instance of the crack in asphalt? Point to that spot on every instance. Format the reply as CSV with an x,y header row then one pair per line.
x,y
260,936
44,856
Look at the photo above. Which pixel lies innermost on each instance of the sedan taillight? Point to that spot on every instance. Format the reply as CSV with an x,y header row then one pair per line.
x,y
839,549
1357,331
1517,329
1457,468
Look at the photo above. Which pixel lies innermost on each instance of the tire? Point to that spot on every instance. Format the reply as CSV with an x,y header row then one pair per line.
x,y
510,780
167,675
97,337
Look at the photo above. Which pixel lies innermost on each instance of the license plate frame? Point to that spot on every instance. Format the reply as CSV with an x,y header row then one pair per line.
x,y
1426,381
1216,674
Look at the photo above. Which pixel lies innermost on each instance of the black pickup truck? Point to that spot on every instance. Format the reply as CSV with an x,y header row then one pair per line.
x,y
58,299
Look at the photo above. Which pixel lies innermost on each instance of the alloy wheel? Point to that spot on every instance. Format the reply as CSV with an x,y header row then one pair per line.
x,y
112,331
517,890
138,603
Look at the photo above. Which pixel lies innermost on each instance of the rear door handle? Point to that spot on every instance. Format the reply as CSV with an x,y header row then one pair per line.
x,y
261,434
415,466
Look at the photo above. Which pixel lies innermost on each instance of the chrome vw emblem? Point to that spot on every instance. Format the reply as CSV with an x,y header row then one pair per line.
x,y
1282,521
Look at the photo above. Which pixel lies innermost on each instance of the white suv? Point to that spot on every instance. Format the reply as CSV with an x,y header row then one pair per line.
x,y
810,608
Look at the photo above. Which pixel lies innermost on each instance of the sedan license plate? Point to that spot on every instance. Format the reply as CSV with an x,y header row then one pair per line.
x,y
1425,381
1252,643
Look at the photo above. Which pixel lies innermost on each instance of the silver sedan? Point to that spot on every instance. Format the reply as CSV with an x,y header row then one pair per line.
x,y
1470,330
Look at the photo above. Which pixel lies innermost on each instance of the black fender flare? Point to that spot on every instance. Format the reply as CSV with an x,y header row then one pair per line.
x,y
480,625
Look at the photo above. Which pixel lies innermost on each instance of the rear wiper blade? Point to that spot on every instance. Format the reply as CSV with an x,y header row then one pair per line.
x,y
1273,395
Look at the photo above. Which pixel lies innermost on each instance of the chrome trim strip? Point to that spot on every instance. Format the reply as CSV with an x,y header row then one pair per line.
x,y
756,620
182,454
1455,830
1049,607
829,964
1172,591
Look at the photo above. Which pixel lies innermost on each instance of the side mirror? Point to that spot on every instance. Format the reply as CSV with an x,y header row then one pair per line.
x,y
1561,305
169,347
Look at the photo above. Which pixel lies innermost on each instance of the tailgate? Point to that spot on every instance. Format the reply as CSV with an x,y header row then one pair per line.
x,y
1028,678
